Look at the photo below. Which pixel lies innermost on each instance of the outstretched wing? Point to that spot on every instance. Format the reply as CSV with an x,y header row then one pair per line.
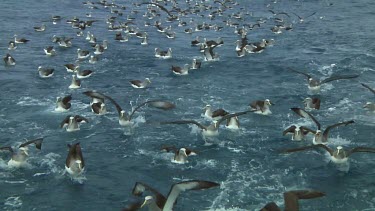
x,y
65,121
67,99
37,142
330,151
369,88
306,114
94,94
361,149
7,148
169,148
233,115
161,7
118,107
185,122
291,197
289,130
140,187
338,77
326,131
299,72
81,119
177,188
154,103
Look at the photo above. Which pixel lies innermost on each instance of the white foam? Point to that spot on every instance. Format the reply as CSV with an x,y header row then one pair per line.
x,y
13,201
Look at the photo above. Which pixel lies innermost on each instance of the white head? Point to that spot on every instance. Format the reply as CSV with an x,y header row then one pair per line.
x,y
267,102
148,200
183,150
24,150
148,80
318,132
307,99
339,148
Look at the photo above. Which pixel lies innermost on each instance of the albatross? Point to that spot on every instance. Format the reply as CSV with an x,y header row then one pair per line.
x,y
19,156
314,84
158,202
338,155
319,138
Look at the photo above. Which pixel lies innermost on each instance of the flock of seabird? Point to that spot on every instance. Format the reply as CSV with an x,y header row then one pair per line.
x,y
156,10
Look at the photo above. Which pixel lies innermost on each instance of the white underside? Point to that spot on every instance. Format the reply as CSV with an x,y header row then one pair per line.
x,y
266,112
335,160
72,172
125,123
137,87
16,164
72,129
61,109
83,76
73,86
210,133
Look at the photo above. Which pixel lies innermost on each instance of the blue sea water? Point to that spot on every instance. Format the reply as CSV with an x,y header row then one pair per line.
x,y
338,39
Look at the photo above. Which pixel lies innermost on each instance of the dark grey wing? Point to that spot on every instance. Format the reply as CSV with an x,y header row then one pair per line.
x,y
307,130
185,122
140,187
7,148
161,7
66,99
361,149
118,107
272,12
326,131
316,103
338,77
306,114
169,148
133,206
272,206
284,13
330,151
81,119
289,130
233,115
154,103
299,72
369,88
96,107
165,105
291,198
94,94
37,142
136,82
177,188
298,16
257,104
311,15
65,121
190,151
219,112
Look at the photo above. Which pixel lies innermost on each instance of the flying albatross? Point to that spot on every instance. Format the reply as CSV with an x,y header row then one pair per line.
x,y
315,84
291,200
158,202
20,155
339,155
318,137
369,105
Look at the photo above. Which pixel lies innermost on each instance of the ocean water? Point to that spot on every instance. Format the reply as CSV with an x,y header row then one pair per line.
x,y
338,39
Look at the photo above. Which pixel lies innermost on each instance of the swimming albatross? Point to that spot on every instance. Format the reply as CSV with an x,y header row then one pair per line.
x,y
19,156
74,163
318,137
72,122
369,105
210,130
125,119
339,155
158,202
180,155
